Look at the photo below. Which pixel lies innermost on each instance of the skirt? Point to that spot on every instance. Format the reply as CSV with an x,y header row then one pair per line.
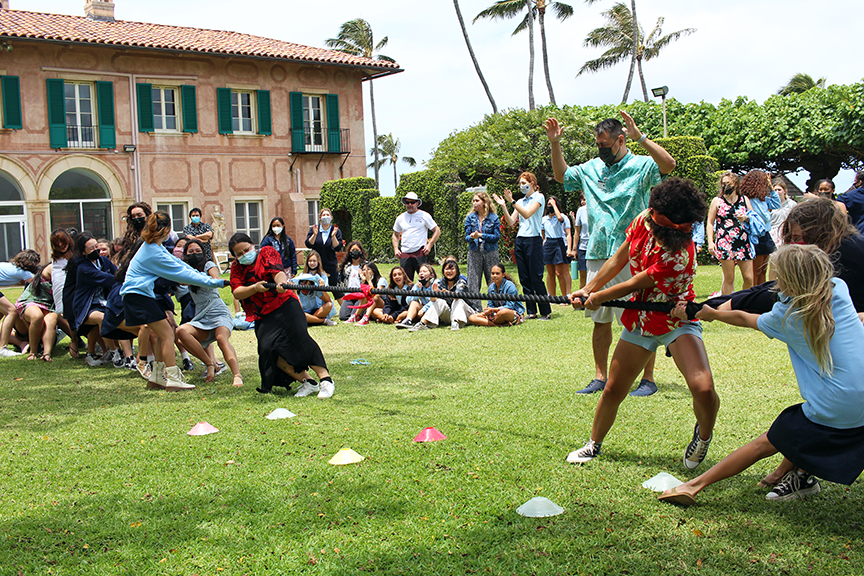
x,y
283,334
141,310
833,454
554,251
110,329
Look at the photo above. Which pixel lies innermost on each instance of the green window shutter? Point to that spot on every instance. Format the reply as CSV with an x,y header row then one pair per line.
x,y
105,105
57,113
334,134
145,107
11,88
264,118
223,106
190,109
298,138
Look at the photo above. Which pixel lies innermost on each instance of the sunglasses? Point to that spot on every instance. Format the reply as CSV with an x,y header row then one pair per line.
x,y
410,202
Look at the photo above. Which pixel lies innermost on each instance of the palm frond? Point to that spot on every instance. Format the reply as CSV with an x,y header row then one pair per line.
x,y
503,9
653,50
562,11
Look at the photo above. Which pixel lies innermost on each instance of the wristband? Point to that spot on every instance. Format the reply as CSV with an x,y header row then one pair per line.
x,y
642,138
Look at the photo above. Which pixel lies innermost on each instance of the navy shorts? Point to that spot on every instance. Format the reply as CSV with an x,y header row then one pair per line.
x,y
141,310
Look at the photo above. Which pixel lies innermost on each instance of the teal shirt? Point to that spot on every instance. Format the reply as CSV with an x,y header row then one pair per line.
x,y
614,196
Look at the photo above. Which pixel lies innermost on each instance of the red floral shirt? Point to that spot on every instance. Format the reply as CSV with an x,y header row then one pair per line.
x,y
267,264
672,273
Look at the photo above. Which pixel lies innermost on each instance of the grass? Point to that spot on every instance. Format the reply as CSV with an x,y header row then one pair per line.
x,y
99,476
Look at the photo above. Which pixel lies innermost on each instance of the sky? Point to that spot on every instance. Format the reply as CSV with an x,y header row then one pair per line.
x,y
740,47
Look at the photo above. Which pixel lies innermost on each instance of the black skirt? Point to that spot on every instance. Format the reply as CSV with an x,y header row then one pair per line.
x,y
283,334
834,454
141,310
554,251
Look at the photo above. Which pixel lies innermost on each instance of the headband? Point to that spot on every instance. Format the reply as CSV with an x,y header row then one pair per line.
x,y
663,221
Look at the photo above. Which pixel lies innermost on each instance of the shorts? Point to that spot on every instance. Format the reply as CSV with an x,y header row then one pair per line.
x,y
554,251
651,343
605,314
141,310
582,263
765,246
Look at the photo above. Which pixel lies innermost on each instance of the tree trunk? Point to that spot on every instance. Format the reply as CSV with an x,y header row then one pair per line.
x,y
633,51
542,19
374,131
474,58
530,60
395,183
642,78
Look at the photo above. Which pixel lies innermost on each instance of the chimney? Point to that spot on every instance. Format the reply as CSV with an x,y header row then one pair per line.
x,y
99,10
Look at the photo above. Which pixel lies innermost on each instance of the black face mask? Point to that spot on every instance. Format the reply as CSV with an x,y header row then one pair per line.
x,y
94,255
607,156
138,223
728,189
195,260
354,254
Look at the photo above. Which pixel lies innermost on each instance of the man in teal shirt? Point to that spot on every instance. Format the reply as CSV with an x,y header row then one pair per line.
x,y
616,187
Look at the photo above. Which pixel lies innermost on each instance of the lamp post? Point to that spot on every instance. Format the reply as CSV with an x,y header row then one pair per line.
x,y
661,92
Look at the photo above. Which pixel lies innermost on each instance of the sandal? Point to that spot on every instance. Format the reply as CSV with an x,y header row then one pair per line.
x,y
681,498
32,357
73,352
47,358
236,379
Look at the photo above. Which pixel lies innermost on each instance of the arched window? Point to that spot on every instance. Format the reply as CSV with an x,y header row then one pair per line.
x,y
12,218
80,199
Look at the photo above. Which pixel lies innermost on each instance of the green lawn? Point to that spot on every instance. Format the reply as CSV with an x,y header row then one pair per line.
x,y
100,477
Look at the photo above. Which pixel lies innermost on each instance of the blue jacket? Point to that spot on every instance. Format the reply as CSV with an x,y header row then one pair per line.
x,y
762,224
151,262
417,287
90,282
288,252
490,233
507,287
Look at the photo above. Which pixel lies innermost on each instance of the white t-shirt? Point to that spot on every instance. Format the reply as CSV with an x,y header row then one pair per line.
x,y
414,229
58,280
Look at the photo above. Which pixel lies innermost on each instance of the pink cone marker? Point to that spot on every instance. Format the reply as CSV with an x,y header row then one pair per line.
x,y
429,435
202,429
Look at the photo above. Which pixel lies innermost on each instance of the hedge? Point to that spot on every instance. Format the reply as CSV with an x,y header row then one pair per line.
x,y
383,212
348,200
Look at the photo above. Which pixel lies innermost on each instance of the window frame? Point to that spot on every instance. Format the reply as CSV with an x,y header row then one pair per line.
x,y
183,212
322,121
245,202
78,128
161,118
312,209
253,111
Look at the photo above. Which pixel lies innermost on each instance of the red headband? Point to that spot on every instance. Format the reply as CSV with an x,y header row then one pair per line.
x,y
666,223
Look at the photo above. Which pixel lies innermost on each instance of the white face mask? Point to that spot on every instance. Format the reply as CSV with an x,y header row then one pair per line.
x,y
277,231
526,189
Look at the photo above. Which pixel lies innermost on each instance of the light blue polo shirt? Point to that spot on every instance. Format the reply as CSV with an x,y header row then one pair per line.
x,y
555,229
831,400
614,196
532,226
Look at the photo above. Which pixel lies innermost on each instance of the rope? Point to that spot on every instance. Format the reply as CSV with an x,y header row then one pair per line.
x,y
665,307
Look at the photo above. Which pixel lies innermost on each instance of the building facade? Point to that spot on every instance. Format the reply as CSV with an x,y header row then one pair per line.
x,y
97,113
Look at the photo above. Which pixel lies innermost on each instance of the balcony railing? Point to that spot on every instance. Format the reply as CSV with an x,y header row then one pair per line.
x,y
80,136
314,139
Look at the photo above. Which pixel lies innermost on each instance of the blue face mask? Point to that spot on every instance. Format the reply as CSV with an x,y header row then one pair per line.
x,y
248,258
195,219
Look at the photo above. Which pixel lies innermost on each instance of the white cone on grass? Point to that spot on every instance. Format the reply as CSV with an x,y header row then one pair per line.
x,y
539,507
280,413
661,482
202,429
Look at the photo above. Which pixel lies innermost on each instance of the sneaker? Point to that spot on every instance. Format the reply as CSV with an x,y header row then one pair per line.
x,y
406,323
175,381
327,389
119,361
156,378
7,353
221,367
130,363
108,357
351,319
645,388
329,322
187,365
596,385
546,317
363,321
795,484
455,325
143,368
308,388
419,326
696,450
584,454
93,360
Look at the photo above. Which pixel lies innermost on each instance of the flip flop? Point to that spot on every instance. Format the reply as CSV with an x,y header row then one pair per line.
x,y
674,497
47,358
360,361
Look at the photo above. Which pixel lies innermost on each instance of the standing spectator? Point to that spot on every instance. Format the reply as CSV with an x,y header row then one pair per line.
x,y
200,231
779,215
283,244
616,187
412,228
556,246
852,202
482,231
580,240
728,240
326,240
756,185
529,242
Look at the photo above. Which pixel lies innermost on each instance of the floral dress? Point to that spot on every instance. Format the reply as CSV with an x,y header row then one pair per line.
x,y
730,235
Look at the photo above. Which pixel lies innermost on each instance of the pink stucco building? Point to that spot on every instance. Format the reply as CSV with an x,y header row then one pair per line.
x,y
97,113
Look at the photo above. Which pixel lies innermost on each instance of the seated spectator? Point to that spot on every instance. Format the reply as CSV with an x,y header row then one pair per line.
x,y
370,277
318,306
313,266
395,307
427,276
349,275
500,312
36,316
453,310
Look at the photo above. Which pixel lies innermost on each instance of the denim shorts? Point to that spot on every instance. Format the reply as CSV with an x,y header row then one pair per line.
x,y
651,343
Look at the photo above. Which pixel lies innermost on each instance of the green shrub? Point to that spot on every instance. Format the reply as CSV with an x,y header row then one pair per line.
x,y
348,200
383,211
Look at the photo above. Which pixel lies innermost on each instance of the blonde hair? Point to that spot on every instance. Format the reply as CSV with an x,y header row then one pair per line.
x,y
804,274
490,206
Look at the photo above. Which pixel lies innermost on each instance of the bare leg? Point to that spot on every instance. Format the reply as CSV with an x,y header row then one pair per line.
x,y
165,342
747,273
728,267
550,279
648,374
563,272
760,269
601,341
35,320
228,352
49,334
627,362
688,351
774,478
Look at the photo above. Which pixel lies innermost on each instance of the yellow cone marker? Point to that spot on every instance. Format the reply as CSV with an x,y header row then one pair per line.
x,y
345,456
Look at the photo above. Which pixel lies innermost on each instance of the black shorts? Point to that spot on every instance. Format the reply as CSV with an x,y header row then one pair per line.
x,y
141,310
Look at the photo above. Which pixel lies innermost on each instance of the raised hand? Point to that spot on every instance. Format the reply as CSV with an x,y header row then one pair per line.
x,y
553,130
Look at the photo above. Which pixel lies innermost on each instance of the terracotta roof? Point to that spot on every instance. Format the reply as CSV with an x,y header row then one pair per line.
x,y
79,29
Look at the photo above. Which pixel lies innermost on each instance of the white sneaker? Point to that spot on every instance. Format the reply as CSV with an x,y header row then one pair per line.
x,y
327,389
118,360
329,322
174,380
308,388
143,368
94,361
156,378
584,454
7,353
420,326
454,325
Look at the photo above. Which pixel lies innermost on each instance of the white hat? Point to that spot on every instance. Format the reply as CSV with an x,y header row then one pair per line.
x,y
412,196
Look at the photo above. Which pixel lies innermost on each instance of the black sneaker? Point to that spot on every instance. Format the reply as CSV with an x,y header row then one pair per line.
x,y
596,385
696,450
584,454
795,484
187,365
406,323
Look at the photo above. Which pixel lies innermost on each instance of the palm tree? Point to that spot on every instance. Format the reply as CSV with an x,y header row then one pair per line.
x,y
473,57
355,38
388,149
800,83
618,36
532,9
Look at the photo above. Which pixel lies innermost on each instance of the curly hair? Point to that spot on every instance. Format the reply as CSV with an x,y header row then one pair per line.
x,y
26,260
681,202
820,223
756,184
132,235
